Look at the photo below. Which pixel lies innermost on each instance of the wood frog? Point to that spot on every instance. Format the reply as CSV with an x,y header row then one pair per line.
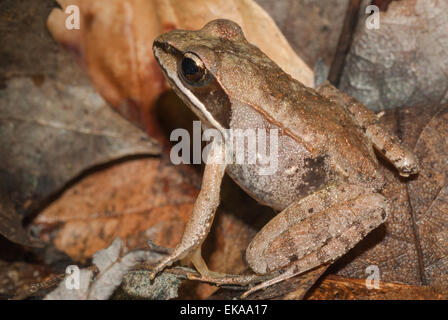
x,y
327,186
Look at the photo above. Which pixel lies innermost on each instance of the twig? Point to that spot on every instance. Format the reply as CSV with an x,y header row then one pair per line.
x,y
345,42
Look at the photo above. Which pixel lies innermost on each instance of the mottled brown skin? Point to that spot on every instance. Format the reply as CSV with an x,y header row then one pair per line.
x,y
327,182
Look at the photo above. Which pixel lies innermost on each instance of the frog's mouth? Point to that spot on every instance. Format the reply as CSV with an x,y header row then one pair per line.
x,y
167,57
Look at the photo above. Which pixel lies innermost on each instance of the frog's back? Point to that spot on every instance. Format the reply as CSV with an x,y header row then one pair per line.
x,y
322,127
325,128
300,167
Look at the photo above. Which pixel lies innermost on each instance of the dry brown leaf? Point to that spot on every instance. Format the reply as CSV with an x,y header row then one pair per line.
x,y
338,288
405,61
50,134
11,224
150,199
19,276
429,200
135,200
115,39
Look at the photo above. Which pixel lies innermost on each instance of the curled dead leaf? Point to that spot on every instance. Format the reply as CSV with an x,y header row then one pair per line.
x,y
112,265
114,43
339,288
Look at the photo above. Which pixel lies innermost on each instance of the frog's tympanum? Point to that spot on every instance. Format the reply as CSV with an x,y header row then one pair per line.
x,y
327,186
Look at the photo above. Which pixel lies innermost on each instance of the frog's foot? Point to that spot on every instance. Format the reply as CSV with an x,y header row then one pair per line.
x,y
165,262
206,275
202,268
289,273
221,279
180,253
196,258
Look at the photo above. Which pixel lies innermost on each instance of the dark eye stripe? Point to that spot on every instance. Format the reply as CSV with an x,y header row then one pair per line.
x,y
204,86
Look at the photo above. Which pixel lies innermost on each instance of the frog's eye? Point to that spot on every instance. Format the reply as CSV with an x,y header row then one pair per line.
x,y
192,68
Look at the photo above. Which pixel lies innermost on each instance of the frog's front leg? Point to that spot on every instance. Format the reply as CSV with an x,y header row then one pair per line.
x,y
384,142
202,215
316,230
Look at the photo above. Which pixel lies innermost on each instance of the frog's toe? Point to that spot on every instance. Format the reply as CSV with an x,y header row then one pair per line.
x,y
155,272
408,165
165,262
152,276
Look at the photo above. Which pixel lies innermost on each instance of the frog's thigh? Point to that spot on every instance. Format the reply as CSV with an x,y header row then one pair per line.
x,y
317,229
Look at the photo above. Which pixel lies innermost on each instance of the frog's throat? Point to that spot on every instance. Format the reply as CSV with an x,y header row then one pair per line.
x,y
190,96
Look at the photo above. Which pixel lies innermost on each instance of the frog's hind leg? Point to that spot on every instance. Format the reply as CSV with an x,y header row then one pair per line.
x,y
384,142
316,230
330,252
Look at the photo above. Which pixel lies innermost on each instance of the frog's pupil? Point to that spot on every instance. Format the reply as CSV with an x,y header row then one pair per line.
x,y
189,67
